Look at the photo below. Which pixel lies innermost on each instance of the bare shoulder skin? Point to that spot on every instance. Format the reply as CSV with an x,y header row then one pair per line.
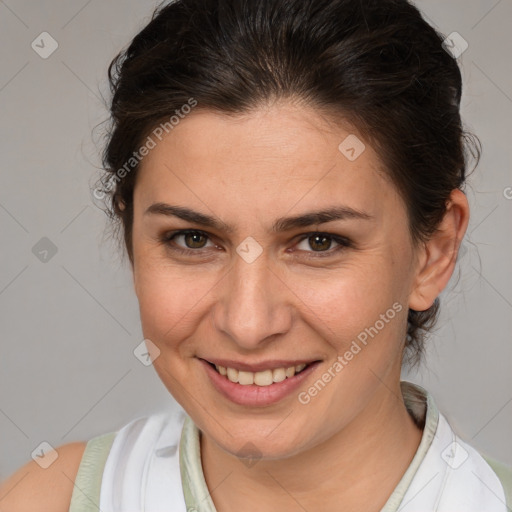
x,y
34,489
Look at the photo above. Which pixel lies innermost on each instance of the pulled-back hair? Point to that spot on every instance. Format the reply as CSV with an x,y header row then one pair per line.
x,y
375,63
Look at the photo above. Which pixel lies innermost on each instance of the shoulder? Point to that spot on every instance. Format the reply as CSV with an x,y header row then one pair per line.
x,y
504,473
32,488
109,457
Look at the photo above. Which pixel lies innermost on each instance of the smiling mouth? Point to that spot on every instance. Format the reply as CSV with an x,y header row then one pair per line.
x,y
262,378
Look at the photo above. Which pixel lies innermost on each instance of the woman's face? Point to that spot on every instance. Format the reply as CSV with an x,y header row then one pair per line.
x,y
258,290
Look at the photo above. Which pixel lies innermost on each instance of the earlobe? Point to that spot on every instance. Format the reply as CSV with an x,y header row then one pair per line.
x,y
437,256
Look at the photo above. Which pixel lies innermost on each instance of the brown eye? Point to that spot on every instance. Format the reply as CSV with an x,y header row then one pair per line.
x,y
322,243
193,240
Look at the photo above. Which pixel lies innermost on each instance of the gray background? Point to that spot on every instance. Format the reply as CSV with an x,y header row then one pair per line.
x,y
69,325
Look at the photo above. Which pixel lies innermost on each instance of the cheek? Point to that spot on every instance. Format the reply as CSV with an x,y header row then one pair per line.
x,y
347,301
170,303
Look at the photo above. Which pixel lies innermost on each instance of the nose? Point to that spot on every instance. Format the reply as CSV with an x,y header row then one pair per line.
x,y
253,304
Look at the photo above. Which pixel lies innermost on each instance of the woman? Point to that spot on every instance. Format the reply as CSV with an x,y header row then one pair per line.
x,y
288,178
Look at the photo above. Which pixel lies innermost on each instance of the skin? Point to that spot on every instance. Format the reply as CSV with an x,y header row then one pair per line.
x,y
280,161
33,488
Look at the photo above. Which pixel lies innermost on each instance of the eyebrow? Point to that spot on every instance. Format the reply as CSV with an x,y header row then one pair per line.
x,y
280,225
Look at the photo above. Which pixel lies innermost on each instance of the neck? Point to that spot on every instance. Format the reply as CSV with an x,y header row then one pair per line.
x,y
370,454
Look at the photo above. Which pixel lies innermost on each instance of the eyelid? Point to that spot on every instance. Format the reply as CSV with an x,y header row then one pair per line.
x,y
340,240
168,238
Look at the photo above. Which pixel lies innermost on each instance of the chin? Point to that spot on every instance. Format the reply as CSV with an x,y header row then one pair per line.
x,y
254,446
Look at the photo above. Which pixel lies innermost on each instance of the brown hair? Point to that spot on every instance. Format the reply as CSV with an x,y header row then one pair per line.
x,y
377,62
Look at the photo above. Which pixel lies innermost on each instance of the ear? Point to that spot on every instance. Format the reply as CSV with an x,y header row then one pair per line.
x,y
436,258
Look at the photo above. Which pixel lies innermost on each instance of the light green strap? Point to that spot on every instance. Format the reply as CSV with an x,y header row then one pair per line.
x,y
86,491
195,491
504,473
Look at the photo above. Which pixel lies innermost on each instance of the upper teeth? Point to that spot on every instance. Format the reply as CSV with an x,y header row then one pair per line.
x,y
264,378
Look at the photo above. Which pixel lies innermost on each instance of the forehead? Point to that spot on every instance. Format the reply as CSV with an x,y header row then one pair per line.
x,y
284,156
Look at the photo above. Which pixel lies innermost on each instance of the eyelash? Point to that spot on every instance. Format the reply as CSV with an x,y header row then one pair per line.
x,y
344,243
